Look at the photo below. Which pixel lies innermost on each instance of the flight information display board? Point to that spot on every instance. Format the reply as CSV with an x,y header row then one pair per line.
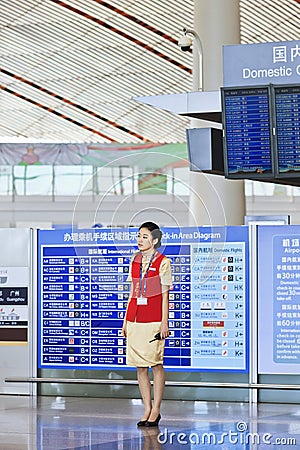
x,y
247,132
287,115
83,293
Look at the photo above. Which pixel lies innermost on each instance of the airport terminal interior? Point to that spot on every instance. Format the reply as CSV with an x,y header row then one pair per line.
x,y
95,103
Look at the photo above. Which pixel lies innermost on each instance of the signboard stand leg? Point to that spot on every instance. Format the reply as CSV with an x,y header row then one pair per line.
x,y
253,376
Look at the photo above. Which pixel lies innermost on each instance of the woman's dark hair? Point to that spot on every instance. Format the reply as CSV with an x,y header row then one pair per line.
x,y
155,232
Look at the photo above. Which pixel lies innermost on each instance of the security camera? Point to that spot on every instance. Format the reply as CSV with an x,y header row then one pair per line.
x,y
185,43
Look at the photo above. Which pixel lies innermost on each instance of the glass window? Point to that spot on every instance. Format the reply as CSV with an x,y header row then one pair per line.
x,y
296,191
32,180
6,180
262,189
248,184
115,180
89,180
151,182
180,180
73,180
282,190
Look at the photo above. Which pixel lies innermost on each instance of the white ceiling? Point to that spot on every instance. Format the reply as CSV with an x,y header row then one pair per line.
x,y
69,69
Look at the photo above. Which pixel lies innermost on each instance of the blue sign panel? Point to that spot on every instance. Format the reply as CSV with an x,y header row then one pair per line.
x,y
83,293
279,299
287,114
247,132
256,64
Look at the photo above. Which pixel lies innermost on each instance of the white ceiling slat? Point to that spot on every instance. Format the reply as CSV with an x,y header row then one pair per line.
x,y
263,21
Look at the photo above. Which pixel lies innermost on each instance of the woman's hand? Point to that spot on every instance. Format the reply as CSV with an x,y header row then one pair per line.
x,y
164,330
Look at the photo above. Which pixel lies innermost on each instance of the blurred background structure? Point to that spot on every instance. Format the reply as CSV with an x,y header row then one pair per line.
x,y
69,73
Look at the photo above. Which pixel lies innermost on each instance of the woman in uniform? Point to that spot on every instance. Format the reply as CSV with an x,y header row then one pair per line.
x,y
147,316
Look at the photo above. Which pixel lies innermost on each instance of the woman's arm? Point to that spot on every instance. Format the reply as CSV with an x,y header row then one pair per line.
x,y
124,328
164,326
165,273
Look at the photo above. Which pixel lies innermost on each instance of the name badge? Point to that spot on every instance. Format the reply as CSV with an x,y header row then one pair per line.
x,y
142,301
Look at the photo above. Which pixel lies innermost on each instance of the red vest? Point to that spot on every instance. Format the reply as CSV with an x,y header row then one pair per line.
x,y
152,312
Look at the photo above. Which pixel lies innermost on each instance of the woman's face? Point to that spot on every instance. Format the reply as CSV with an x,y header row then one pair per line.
x,y
145,240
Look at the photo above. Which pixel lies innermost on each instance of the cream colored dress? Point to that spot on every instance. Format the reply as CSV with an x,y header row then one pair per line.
x,y
139,351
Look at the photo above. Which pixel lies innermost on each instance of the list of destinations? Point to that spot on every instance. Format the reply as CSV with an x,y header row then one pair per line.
x,y
247,129
83,294
287,113
286,318
278,268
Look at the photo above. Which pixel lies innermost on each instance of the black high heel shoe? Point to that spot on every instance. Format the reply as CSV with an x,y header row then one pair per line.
x,y
141,423
154,423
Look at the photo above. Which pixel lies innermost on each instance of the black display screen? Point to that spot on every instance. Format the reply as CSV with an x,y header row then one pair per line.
x,y
247,132
287,130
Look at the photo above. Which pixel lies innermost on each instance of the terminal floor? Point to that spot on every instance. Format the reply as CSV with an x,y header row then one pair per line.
x,y
57,423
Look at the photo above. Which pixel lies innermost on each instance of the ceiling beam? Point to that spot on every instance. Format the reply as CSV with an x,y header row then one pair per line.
x,y
138,21
53,111
123,34
75,105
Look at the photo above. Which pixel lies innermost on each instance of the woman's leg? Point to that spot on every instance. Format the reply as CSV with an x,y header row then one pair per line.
x,y
145,389
158,390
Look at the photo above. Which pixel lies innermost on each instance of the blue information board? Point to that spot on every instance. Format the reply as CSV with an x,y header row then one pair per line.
x,y
83,293
247,132
287,114
279,299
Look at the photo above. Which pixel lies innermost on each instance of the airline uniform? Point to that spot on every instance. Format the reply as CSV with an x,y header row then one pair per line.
x,y
144,312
